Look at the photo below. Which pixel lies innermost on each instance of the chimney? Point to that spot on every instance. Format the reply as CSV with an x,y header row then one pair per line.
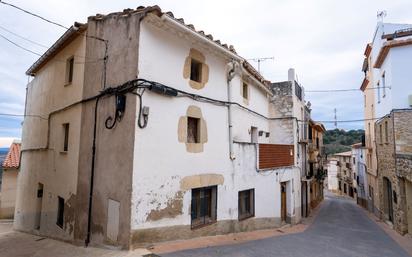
x,y
291,75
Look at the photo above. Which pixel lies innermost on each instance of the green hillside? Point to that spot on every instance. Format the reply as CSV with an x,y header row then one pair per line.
x,y
339,140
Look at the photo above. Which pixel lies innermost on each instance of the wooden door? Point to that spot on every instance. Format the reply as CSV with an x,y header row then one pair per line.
x,y
283,201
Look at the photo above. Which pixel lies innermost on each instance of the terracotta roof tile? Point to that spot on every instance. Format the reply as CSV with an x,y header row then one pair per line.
x,y
13,157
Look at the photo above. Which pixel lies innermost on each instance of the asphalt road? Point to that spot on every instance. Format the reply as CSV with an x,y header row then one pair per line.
x,y
341,229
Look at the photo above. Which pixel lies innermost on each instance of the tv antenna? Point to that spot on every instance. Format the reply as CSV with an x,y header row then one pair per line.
x,y
262,59
381,15
336,120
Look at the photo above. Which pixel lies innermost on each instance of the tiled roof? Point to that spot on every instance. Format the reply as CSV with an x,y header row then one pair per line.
x,y
141,9
13,157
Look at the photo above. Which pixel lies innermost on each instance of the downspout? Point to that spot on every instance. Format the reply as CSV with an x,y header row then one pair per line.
x,y
230,76
89,220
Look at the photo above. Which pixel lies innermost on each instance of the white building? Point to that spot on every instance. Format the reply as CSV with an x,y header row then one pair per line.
x,y
391,59
179,138
332,175
359,154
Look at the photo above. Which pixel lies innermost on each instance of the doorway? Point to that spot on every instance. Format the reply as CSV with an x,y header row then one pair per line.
x,y
304,199
39,202
408,190
283,201
387,185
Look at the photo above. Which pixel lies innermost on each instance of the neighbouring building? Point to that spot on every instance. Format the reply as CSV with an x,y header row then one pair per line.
x,y
11,165
317,162
388,98
359,154
289,101
394,151
345,173
148,130
332,171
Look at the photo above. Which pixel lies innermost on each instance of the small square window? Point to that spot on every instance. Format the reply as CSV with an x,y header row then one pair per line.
x,y
246,204
60,211
196,71
69,70
245,91
193,133
66,128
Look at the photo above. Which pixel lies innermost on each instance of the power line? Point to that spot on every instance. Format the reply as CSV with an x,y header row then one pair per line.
x,y
19,46
342,90
22,115
54,60
24,38
33,14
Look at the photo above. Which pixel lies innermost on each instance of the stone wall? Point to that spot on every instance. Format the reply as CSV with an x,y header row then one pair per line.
x,y
390,135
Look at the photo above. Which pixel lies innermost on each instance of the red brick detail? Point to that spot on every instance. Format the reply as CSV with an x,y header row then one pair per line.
x,y
274,156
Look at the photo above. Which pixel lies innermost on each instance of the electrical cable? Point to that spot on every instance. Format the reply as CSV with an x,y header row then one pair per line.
x,y
19,46
33,14
24,38
342,90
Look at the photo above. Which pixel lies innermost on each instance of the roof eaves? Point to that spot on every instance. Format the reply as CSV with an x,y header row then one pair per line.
x,y
65,39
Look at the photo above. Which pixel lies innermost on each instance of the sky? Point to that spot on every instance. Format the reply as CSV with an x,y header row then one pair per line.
x,y
323,40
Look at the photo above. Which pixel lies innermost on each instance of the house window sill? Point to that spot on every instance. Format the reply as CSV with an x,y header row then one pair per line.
x,y
245,217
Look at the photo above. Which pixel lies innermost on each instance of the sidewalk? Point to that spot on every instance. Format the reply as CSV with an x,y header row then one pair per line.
x,y
404,241
235,238
17,244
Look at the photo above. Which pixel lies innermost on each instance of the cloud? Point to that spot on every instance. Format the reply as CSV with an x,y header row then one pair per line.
x,y
322,39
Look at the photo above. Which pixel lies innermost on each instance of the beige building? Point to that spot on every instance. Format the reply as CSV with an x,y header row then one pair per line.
x,y
370,116
345,174
8,190
317,161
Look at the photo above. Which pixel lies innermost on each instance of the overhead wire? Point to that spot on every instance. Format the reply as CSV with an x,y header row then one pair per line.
x,y
33,14
342,90
24,38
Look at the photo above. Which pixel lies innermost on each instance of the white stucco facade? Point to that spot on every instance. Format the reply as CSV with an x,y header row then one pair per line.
x,y
393,79
332,175
161,162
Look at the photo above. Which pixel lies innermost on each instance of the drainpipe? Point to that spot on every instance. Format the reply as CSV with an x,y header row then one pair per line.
x,y
230,76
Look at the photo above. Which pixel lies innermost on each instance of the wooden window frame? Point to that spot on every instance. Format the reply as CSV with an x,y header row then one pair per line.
x,y
246,211
203,206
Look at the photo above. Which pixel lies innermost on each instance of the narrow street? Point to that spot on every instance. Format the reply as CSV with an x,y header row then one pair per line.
x,y
341,229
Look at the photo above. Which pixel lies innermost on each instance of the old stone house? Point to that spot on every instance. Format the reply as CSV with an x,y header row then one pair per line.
x,y
147,130
394,151
11,165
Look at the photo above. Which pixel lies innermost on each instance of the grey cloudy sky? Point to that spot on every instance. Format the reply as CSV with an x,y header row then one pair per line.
x,y
322,39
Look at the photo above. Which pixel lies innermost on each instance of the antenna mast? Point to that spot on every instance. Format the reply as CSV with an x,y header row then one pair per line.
x,y
262,59
336,120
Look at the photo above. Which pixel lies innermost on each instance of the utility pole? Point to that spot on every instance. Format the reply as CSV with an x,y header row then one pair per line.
x,y
336,120
262,59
